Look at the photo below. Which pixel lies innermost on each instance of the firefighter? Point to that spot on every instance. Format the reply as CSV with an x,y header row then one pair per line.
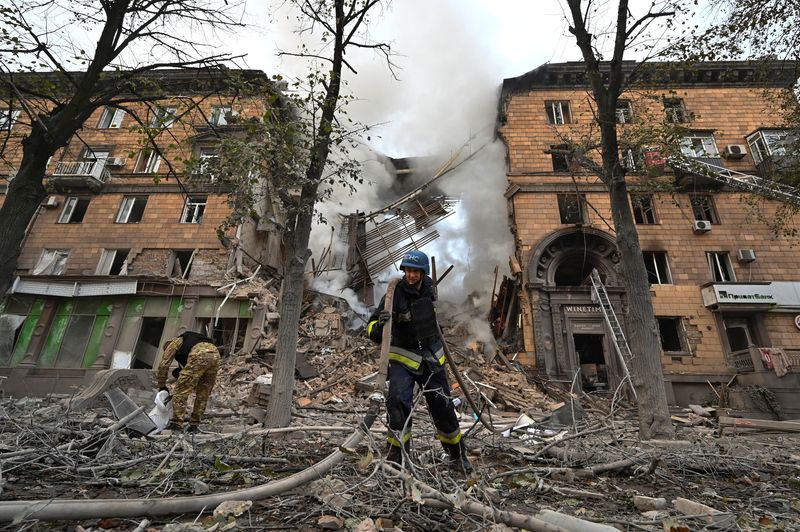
x,y
198,363
416,356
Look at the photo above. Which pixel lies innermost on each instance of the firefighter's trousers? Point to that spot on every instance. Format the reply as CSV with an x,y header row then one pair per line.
x,y
436,390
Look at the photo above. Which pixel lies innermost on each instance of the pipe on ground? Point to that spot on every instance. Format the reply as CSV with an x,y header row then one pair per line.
x,y
79,509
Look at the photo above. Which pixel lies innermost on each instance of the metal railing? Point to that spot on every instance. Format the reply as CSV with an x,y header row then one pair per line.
x,y
742,361
94,169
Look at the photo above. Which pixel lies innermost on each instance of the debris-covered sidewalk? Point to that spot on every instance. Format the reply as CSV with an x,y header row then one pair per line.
x,y
555,459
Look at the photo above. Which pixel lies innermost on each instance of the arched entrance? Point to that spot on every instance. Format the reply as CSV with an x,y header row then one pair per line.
x,y
570,334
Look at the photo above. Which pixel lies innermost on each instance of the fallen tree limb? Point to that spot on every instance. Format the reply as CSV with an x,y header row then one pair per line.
x,y
437,499
758,424
79,509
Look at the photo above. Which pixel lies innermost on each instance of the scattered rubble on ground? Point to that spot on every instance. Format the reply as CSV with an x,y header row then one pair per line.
x,y
555,458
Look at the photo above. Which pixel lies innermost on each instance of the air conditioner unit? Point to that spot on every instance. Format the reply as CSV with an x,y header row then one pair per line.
x,y
735,151
116,161
50,203
702,226
746,255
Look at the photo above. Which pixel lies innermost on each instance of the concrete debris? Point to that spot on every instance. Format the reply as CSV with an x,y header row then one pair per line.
x,y
647,504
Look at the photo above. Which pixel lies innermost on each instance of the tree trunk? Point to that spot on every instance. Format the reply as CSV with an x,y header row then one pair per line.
x,y
648,376
24,195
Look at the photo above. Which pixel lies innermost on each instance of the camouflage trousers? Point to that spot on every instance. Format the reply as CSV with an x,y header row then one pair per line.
x,y
197,376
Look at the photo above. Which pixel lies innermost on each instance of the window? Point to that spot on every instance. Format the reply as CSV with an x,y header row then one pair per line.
x,y
655,262
220,115
740,333
767,143
95,154
675,111
207,160
113,262
643,212
111,118
703,208
558,112
181,263
132,209
672,336
562,162
147,162
624,112
632,158
7,118
193,212
721,268
74,210
572,209
699,144
51,262
164,117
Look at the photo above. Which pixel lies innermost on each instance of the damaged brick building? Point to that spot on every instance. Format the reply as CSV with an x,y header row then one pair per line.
x,y
725,286
124,252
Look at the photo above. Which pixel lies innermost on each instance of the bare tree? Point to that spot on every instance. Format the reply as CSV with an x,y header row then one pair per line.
x,y
134,38
341,24
607,83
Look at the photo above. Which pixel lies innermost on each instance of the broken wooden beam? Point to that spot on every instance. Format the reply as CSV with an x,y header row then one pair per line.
x,y
758,424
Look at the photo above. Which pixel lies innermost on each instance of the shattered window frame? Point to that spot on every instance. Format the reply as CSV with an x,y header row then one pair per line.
x,y
194,209
51,262
74,210
572,207
111,118
624,111
147,162
178,266
672,334
131,205
699,144
675,111
657,266
558,112
721,266
644,212
164,117
113,262
562,162
767,143
703,208
220,114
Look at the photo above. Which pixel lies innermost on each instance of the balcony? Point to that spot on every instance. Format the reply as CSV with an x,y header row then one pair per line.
x,y
80,175
698,172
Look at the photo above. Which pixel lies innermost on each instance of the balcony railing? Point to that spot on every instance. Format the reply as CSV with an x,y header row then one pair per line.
x,y
742,361
76,174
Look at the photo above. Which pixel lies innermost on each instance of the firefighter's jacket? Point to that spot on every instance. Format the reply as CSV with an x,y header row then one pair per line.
x,y
414,340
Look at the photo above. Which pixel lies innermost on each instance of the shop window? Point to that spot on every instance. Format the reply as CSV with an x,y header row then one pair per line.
x,y
51,262
624,112
672,335
228,333
655,262
558,112
74,210
194,210
721,267
111,118
113,262
572,208
146,350
643,211
132,209
703,208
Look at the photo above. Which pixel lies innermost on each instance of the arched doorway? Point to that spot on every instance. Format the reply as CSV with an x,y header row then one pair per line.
x,y
570,335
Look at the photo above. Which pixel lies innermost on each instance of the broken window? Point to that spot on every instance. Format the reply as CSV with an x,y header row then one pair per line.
x,y
207,160
740,332
632,158
703,208
228,333
146,350
699,144
675,111
147,162
111,118
672,335
181,263
562,162
655,262
96,154
558,112
74,210
624,112
164,117
643,211
113,262
194,209
721,268
7,119
572,208
132,209
767,143
51,262
220,115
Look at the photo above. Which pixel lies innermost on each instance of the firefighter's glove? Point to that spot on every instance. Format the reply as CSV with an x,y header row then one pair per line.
x,y
384,316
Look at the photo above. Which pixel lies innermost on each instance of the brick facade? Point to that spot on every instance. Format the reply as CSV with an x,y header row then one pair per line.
x,y
729,111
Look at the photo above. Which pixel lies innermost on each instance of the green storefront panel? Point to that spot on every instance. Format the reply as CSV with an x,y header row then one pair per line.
x,y
26,333
52,345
